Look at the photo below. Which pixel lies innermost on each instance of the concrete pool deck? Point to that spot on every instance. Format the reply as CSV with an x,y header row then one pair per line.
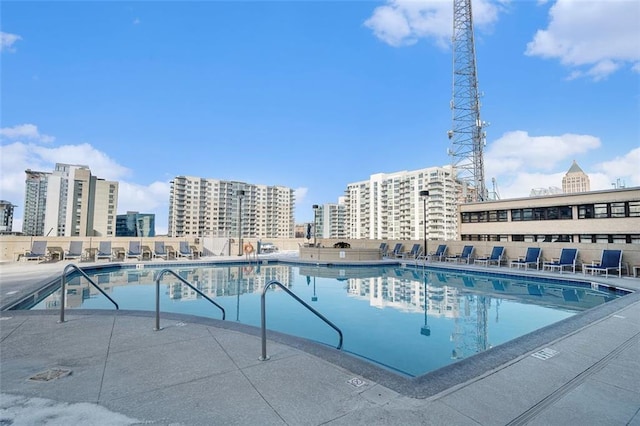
x,y
197,371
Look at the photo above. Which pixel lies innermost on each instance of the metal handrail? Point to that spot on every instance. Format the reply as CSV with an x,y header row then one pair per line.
x,y
263,318
64,291
187,283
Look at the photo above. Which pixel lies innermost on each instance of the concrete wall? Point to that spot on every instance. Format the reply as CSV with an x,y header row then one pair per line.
x,y
11,246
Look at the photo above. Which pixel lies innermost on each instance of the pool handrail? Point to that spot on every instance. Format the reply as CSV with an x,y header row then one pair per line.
x,y
263,318
64,291
187,283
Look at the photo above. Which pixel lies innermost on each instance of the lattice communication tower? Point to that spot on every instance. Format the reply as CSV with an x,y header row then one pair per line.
x,y
467,136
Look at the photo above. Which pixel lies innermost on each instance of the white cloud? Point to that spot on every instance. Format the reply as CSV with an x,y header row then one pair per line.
x,y
520,162
25,131
300,194
626,168
7,40
153,198
404,22
594,38
517,150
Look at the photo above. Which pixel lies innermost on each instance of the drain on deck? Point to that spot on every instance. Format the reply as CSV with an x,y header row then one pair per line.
x,y
51,374
356,382
545,353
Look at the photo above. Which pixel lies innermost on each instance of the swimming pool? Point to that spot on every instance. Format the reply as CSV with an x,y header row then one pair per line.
x,y
409,320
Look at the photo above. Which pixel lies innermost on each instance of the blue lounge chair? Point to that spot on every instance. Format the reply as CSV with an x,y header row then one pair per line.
x,y
611,260
185,250
38,251
494,257
415,251
160,250
531,258
397,250
135,251
104,251
568,257
75,251
384,247
465,256
439,253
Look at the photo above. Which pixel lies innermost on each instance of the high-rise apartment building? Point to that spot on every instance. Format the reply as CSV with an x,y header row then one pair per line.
x,y
69,202
134,224
389,206
35,201
575,180
6,216
218,208
330,220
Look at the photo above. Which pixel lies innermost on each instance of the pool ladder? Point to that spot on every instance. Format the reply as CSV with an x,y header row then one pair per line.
x,y
63,290
185,282
263,320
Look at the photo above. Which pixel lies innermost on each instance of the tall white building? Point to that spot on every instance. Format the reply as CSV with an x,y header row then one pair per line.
x,y
212,207
389,205
331,220
69,202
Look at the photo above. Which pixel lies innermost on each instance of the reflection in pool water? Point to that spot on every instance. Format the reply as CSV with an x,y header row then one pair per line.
x,y
410,320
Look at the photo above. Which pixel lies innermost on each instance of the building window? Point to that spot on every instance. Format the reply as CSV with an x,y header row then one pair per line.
x,y
600,211
585,211
618,210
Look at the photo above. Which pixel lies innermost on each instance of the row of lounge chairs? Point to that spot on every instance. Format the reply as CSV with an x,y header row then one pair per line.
x,y
611,260
40,252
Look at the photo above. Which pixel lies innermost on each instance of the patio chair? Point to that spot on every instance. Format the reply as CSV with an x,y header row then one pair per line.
x,y
38,251
611,260
439,254
384,248
185,250
465,256
568,257
75,251
531,258
160,250
397,250
104,251
415,251
135,251
494,257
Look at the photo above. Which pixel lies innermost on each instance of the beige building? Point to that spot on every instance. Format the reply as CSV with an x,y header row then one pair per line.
x,y
216,208
389,206
69,202
575,180
609,216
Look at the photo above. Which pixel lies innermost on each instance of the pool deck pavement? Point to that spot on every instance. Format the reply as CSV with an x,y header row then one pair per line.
x,y
197,371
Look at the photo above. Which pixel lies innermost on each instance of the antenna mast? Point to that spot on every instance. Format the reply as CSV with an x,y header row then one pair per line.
x,y
467,136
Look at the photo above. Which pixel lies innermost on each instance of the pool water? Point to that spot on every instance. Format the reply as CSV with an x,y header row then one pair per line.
x,y
382,311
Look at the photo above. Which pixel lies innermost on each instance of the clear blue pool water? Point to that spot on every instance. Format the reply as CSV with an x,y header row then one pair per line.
x,y
382,311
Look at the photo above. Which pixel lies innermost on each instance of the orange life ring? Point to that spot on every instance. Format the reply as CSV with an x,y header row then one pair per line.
x,y
247,270
248,248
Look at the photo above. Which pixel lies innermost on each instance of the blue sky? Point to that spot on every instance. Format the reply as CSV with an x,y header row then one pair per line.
x,y
312,95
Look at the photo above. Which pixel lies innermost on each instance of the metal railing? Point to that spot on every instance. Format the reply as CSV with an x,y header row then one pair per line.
x,y
64,285
263,319
185,282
